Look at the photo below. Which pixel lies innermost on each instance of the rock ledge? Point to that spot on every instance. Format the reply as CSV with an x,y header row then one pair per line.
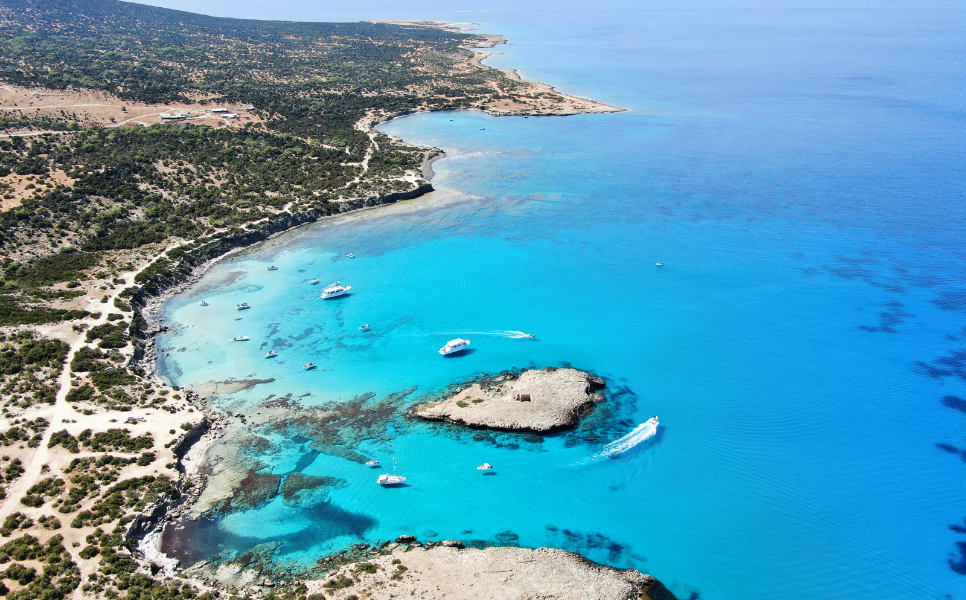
x,y
536,400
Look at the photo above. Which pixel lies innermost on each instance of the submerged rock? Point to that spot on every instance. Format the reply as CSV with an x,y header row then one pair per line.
x,y
536,401
304,491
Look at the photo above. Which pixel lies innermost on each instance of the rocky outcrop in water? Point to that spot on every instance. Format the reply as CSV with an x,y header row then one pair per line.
x,y
538,401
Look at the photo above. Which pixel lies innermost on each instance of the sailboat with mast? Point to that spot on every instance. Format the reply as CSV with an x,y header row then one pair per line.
x,y
387,480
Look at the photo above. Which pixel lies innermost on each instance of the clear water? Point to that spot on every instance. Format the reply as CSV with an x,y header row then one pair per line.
x,y
798,171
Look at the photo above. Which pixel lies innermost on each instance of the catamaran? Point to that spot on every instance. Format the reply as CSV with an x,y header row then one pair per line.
x,y
335,290
243,306
454,346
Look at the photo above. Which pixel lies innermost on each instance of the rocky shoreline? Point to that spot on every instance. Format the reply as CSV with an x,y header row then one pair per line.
x,y
534,401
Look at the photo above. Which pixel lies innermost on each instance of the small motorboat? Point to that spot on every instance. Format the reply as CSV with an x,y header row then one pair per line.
x,y
314,282
272,268
454,346
387,480
366,326
482,128
243,306
202,303
271,354
335,290
658,264
351,255
309,366
238,318
373,463
241,338
485,467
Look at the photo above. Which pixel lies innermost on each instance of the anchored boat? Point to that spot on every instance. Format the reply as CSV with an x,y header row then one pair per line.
x,y
335,290
243,306
454,346
241,338
271,354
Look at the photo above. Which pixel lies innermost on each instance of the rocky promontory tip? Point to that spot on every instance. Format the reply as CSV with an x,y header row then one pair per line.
x,y
496,573
535,400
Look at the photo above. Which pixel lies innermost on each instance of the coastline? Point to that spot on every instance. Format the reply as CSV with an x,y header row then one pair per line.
x,y
196,262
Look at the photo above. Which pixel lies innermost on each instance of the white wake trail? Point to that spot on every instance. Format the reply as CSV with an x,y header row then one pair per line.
x,y
640,434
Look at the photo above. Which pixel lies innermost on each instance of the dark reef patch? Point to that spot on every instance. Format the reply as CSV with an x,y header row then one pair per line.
x,y
955,403
951,365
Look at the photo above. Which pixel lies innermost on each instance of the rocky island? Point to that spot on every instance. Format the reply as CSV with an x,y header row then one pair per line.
x,y
535,400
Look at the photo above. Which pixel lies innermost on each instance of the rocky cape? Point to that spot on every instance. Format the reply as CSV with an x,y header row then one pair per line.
x,y
449,571
535,400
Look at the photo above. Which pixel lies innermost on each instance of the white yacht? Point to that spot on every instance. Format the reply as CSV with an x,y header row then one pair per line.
x,y
241,338
335,290
387,480
454,346
271,354
485,467
243,306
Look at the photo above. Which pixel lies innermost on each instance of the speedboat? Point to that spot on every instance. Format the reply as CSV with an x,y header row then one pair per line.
x,y
482,128
203,303
314,281
241,338
272,268
387,480
335,290
366,326
485,467
243,306
351,255
454,346
309,366
238,318
658,264
271,354
372,463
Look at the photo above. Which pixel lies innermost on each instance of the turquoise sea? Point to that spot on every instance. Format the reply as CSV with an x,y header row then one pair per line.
x,y
797,169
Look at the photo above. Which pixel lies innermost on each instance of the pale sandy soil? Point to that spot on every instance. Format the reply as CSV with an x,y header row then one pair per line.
x,y
13,187
493,573
43,462
90,107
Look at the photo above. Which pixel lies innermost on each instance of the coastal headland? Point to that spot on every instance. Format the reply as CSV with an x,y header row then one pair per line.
x,y
536,400
120,190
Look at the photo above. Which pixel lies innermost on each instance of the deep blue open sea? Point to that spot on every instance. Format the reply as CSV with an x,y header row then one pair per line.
x,y
799,171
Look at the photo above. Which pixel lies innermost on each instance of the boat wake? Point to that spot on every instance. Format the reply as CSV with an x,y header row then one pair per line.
x,y
509,334
639,435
